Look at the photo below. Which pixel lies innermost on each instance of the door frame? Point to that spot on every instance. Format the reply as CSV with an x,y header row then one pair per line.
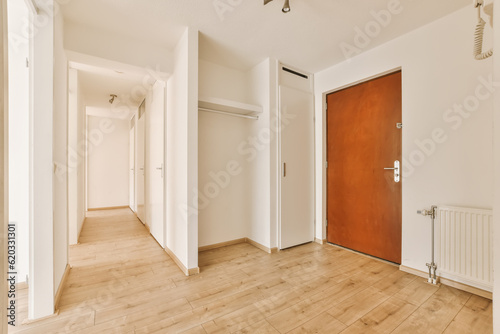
x,y
325,145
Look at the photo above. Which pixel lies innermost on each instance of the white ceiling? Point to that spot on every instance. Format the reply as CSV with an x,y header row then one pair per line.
x,y
98,85
308,38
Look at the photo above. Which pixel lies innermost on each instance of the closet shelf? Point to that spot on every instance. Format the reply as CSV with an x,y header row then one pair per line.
x,y
228,106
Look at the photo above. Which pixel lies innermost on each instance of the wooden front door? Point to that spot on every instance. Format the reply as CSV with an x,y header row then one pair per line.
x,y
364,200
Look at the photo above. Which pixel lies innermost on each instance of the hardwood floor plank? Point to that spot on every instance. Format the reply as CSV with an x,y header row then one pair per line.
x,y
118,325
217,309
357,306
394,282
212,328
295,315
157,306
122,281
261,327
239,319
195,330
383,319
280,301
417,292
436,313
475,317
324,323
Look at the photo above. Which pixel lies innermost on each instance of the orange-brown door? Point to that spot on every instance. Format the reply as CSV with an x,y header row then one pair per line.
x,y
364,199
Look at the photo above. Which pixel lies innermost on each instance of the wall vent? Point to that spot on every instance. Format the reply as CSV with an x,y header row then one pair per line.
x,y
294,72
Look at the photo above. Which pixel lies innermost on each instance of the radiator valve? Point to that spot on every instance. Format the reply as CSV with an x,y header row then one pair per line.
x,y
431,212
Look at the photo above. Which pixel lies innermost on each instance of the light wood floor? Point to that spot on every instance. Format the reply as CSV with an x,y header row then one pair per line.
x,y
123,282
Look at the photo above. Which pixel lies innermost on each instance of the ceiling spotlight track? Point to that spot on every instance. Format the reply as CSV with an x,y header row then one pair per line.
x,y
112,99
286,6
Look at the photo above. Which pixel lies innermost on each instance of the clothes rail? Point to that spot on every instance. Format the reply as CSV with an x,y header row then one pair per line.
x,y
228,113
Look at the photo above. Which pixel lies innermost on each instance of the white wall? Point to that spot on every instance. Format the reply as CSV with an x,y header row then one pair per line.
x,y
18,136
76,156
60,156
438,73
192,141
4,161
258,153
225,202
496,157
73,156
182,152
81,144
223,82
110,46
41,279
48,251
246,204
108,141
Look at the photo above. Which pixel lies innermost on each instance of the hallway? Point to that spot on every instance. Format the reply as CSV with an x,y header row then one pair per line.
x,y
121,281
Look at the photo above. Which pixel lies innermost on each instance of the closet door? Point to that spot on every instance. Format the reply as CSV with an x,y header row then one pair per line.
x,y
132,168
155,161
297,167
140,157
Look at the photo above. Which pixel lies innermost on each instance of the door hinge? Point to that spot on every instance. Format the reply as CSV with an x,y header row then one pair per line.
x,y
326,164
27,63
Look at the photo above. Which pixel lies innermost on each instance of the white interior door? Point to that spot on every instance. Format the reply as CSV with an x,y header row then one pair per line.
x,y
155,161
297,167
140,157
132,169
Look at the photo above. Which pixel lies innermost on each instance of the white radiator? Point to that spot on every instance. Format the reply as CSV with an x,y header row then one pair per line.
x,y
464,246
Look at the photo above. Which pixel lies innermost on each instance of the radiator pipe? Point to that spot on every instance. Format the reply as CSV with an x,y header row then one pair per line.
x,y
433,263
432,279
429,279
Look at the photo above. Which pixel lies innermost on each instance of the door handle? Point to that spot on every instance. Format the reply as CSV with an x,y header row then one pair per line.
x,y
284,169
397,171
160,168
